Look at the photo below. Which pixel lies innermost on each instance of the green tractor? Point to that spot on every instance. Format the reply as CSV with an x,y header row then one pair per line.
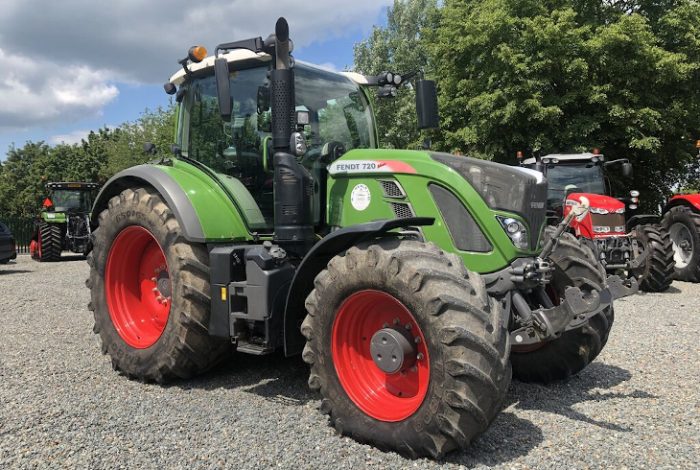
x,y
402,277
64,221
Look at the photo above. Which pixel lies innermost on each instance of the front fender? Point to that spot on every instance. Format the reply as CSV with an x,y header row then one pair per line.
x,y
205,213
317,259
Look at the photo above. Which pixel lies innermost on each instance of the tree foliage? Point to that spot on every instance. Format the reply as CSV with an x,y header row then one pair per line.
x,y
27,169
399,47
571,75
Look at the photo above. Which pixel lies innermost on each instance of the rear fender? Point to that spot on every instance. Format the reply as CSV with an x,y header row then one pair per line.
x,y
317,259
205,213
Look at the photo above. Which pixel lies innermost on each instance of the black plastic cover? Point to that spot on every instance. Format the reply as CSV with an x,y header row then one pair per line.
x,y
465,233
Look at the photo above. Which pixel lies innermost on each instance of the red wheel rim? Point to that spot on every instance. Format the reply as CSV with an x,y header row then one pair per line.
x,y
383,396
138,288
34,249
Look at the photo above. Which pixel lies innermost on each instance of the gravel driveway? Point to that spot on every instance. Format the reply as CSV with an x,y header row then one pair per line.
x,y
637,405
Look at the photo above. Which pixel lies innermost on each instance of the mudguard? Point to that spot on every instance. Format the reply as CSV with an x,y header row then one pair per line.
x,y
689,200
203,209
317,259
642,219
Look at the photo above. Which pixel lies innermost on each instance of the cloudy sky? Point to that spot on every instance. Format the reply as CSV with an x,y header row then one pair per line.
x,y
69,66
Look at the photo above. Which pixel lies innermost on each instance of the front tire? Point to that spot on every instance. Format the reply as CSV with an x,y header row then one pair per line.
x,y
656,274
570,353
150,291
683,226
459,339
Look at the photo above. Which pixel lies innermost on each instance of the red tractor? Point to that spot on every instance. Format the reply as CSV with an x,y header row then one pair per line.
x,y
638,245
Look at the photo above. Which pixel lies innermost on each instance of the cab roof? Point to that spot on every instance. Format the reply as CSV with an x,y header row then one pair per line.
x,y
242,55
72,185
566,157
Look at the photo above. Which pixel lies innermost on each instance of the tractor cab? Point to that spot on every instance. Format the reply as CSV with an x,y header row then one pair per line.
x,y
74,197
333,115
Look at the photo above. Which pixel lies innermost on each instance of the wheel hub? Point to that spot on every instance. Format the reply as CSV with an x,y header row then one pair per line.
x,y
393,350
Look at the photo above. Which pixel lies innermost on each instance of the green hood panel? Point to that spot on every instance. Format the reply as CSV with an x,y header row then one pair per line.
x,y
356,194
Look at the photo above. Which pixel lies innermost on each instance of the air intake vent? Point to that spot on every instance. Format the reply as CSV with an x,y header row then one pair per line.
x,y
392,189
402,210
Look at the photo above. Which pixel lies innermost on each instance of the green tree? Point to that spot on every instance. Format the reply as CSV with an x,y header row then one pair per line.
x,y
25,172
399,47
572,75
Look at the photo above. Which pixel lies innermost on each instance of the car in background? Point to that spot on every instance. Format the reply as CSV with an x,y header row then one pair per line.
x,y
7,245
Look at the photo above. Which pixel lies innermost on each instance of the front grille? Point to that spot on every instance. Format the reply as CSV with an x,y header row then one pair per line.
x,y
402,210
608,220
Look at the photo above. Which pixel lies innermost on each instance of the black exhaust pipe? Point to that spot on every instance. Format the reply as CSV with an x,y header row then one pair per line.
x,y
293,184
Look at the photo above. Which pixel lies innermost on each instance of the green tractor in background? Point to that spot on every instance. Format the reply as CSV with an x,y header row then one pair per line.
x,y
402,277
64,221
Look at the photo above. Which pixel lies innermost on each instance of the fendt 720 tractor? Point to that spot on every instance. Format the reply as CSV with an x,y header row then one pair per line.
x,y
64,221
402,277
636,245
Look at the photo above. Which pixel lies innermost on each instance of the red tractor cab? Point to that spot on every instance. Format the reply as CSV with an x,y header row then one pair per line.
x,y
634,244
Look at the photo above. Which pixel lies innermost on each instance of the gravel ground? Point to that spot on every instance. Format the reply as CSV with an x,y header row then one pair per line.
x,y
61,405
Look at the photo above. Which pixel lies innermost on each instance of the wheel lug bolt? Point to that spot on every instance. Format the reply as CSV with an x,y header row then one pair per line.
x,y
385,325
396,321
416,340
420,356
408,326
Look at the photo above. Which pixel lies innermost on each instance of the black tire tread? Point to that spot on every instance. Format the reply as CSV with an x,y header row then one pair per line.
x,y
657,273
51,242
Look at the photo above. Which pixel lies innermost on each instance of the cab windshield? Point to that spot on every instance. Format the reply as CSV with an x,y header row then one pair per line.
x,y
339,113
587,177
340,119
65,200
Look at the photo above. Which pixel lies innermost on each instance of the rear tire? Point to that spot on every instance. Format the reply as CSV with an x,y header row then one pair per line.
x,y
466,346
683,226
49,243
149,334
656,274
575,349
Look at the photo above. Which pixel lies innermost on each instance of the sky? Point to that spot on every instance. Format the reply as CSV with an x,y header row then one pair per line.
x,y
71,66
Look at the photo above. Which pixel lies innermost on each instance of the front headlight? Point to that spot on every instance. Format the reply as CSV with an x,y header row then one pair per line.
x,y
597,210
516,231
601,229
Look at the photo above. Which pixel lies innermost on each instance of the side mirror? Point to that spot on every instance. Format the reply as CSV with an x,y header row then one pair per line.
x,y
427,104
627,170
223,88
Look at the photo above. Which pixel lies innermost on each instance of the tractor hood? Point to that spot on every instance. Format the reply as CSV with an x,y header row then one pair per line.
x,y
603,204
605,218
